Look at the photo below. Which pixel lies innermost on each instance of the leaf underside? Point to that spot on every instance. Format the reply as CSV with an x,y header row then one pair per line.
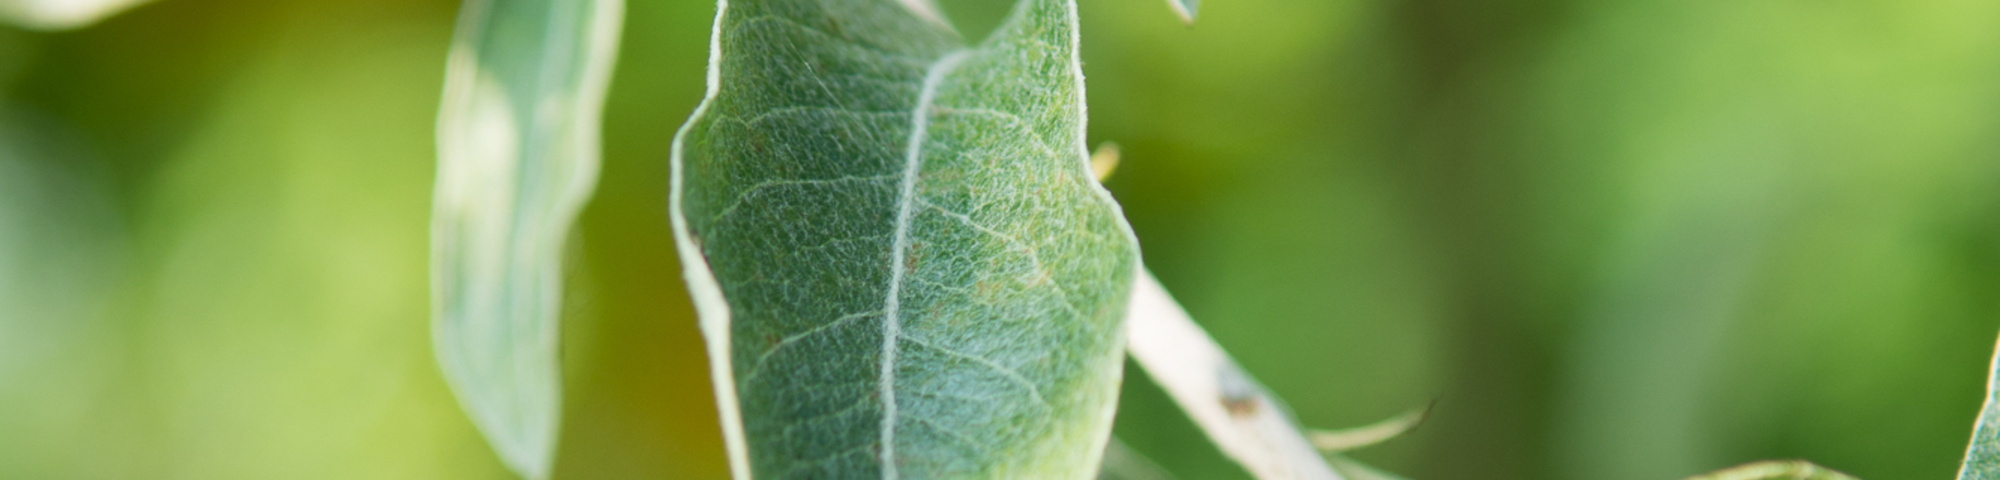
x,y
517,157
902,252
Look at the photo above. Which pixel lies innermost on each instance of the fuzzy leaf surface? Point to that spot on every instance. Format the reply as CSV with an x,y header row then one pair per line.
x,y
902,262
1982,455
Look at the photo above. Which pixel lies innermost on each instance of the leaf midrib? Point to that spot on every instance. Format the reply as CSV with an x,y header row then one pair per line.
x,y
900,245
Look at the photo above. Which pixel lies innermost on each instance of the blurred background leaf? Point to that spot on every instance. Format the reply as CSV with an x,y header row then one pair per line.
x,y
1615,239
60,257
518,156
60,14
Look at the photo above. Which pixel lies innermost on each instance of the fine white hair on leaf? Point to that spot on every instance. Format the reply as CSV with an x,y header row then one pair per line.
x,y
1982,454
709,305
865,194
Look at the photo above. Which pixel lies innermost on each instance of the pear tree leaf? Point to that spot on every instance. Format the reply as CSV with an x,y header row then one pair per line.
x,y
1982,455
517,158
1775,470
903,265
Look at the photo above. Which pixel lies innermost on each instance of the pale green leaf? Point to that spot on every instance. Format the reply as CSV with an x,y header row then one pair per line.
x,y
1982,455
1775,470
517,157
903,265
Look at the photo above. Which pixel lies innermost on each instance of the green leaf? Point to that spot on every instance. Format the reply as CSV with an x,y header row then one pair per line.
x,y
63,256
1775,469
902,263
1982,455
517,158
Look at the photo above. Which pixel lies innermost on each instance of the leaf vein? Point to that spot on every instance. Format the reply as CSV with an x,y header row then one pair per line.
x,y
1041,145
891,311
759,188
843,411
1011,374
757,367
1062,294
950,432
835,39
775,112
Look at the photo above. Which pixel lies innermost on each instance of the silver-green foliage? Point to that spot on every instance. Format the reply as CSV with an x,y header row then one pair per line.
x,y
517,157
1982,456
903,264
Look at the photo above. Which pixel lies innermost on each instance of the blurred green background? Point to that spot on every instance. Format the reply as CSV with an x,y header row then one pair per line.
x,y
1616,239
